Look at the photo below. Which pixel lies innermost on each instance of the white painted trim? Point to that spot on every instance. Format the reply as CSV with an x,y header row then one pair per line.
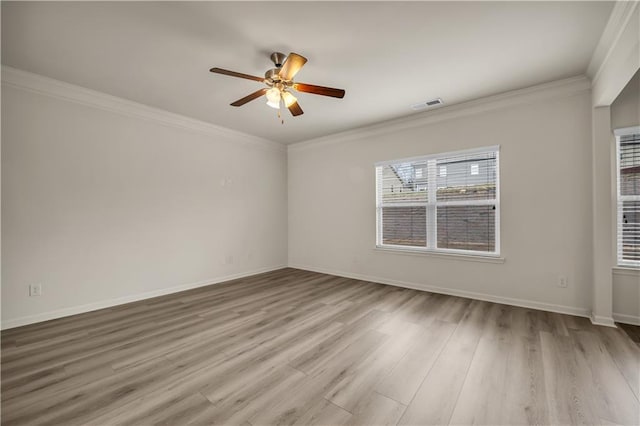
x,y
621,199
627,131
440,155
42,85
432,204
603,321
627,319
441,254
626,271
619,205
74,310
550,307
622,59
555,89
613,30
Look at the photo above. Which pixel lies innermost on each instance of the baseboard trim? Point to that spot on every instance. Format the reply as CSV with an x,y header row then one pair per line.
x,y
561,309
603,321
627,319
74,310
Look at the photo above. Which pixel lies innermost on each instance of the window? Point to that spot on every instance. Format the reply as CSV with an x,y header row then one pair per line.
x,y
444,203
628,206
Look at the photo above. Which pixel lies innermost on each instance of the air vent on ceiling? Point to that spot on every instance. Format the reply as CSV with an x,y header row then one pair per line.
x,y
428,104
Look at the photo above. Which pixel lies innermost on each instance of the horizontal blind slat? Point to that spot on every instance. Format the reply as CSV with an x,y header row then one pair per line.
x,y
628,229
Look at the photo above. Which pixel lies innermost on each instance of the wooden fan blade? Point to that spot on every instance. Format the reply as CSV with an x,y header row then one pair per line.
x,y
291,66
236,74
295,109
319,90
250,97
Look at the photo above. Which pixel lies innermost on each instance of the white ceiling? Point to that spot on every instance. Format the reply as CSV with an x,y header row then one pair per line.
x,y
386,55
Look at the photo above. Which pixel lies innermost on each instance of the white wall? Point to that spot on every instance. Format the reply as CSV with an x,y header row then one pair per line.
x,y
620,57
614,63
546,202
103,208
625,112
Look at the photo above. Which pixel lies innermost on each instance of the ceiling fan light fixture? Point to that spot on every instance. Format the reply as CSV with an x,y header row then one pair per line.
x,y
273,104
273,97
278,80
288,99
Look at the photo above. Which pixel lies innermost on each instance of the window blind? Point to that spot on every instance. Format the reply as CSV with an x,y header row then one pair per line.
x,y
628,229
447,202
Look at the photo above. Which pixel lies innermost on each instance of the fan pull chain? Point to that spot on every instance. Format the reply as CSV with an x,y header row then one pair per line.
x,y
280,117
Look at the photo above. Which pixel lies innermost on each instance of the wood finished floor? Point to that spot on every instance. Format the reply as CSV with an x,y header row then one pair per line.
x,y
296,347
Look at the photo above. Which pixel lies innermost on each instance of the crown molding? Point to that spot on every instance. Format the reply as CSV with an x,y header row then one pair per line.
x,y
620,15
42,85
554,89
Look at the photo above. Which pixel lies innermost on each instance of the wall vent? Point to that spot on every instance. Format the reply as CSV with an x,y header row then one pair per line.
x,y
428,104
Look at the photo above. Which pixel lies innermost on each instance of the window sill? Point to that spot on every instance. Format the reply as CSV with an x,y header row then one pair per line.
x,y
628,271
443,255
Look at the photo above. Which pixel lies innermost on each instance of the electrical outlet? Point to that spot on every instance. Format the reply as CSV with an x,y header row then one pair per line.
x,y
563,281
35,290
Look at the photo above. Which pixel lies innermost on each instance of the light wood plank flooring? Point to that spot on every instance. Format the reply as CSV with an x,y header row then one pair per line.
x,y
296,347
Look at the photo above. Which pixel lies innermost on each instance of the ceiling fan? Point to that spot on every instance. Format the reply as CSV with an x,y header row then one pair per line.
x,y
279,81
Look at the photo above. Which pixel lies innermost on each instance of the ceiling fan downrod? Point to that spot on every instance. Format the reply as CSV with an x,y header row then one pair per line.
x,y
278,59
278,81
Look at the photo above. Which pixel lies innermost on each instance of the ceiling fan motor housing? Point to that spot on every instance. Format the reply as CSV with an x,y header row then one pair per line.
x,y
278,80
272,75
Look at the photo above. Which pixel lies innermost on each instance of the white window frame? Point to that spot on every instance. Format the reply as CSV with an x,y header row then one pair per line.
x,y
619,133
432,204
